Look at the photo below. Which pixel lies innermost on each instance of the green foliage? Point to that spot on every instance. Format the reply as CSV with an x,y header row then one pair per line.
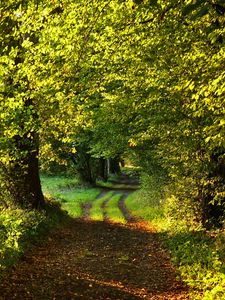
x,y
116,76
181,206
20,228
11,230
200,263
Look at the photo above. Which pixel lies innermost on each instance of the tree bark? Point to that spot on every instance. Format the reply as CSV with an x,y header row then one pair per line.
x,y
23,174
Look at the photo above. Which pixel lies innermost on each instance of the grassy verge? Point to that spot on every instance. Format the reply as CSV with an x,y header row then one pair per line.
x,y
145,208
113,211
199,256
51,184
68,192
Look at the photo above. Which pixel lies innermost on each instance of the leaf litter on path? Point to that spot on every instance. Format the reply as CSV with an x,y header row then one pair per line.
x,y
95,260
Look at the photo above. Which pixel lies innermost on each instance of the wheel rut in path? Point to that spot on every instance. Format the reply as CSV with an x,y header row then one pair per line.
x,y
104,209
122,206
86,207
95,260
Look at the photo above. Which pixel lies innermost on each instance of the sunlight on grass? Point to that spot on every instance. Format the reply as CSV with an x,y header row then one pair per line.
x,y
72,199
141,207
113,211
67,192
52,183
96,212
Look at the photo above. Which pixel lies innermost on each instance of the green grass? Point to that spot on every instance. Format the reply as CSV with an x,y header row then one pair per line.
x,y
50,184
71,200
142,207
96,212
113,211
68,193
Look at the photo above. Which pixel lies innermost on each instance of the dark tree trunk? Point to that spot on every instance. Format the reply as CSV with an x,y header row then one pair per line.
x,y
23,174
33,183
102,169
115,165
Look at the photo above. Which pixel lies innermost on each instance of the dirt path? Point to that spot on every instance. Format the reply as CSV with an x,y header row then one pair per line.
x,y
104,209
96,260
122,206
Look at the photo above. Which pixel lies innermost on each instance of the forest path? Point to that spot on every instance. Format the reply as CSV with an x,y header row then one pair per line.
x,y
96,260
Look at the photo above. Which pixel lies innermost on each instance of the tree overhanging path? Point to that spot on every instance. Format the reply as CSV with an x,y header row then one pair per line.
x,y
96,260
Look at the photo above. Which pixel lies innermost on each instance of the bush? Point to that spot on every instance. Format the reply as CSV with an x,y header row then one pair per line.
x,y
16,226
199,255
198,259
20,228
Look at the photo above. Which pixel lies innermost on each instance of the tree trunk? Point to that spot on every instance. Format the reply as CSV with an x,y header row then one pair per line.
x,y
115,165
23,174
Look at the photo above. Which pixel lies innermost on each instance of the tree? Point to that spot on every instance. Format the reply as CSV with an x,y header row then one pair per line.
x,y
50,65
171,88
19,117
140,75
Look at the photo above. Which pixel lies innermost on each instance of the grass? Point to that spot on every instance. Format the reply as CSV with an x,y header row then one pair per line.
x,y
50,184
68,193
144,208
113,211
71,200
96,212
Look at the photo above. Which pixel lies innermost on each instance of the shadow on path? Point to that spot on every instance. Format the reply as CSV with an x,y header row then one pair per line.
x,y
95,260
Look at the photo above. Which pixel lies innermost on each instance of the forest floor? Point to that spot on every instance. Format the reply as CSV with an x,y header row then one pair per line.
x,y
97,260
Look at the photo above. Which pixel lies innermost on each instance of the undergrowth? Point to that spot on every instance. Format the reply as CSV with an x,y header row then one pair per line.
x,y
199,255
21,228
